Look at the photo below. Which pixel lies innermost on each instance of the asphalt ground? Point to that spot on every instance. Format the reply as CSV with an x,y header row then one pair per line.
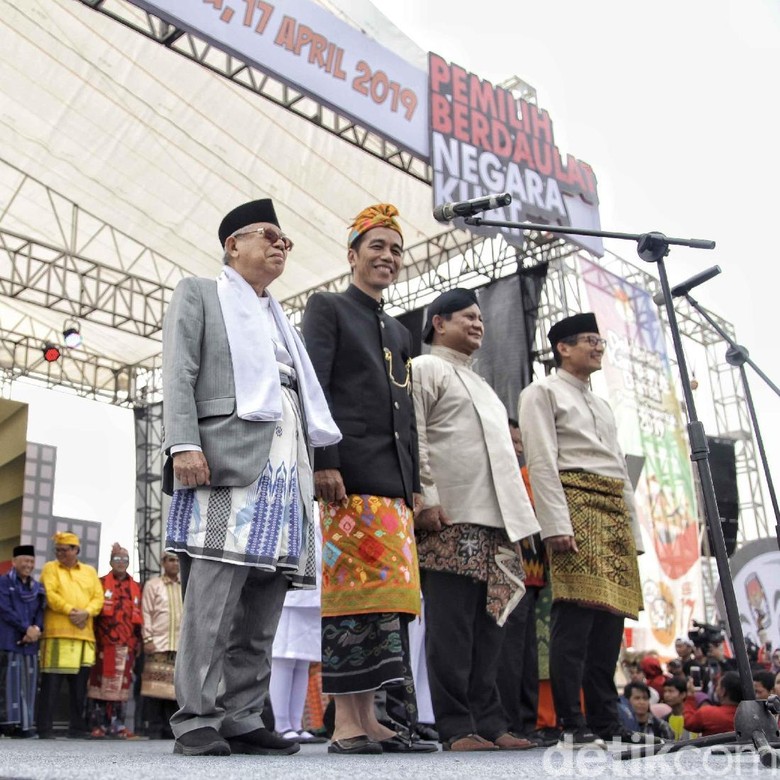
x,y
66,759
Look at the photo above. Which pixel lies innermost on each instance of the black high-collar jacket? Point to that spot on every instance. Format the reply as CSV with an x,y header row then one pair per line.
x,y
349,337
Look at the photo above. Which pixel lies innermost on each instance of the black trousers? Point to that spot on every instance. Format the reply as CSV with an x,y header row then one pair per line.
x,y
462,648
584,649
518,675
47,700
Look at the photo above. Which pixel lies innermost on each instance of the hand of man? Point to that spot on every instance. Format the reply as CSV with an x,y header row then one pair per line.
x,y
434,518
33,634
191,469
79,617
419,502
329,486
562,543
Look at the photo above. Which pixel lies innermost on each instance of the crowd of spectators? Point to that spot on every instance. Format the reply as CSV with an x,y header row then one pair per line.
x,y
94,633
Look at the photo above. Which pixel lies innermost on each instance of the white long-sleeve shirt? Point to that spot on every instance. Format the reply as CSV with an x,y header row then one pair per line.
x,y
467,462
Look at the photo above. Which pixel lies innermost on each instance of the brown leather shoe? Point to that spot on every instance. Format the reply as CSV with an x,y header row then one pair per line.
x,y
509,741
468,743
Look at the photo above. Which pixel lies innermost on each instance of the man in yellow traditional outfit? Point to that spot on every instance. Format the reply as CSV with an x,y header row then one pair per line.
x,y
74,595
367,485
585,506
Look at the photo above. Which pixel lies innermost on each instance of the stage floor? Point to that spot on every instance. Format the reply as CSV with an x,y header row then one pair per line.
x,y
65,759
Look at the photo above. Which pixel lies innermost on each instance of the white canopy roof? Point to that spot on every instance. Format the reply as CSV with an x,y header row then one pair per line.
x,y
154,149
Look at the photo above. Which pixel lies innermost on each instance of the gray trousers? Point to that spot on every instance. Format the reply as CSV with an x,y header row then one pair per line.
x,y
223,665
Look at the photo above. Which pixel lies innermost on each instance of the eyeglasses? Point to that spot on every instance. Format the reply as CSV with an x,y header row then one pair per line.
x,y
594,341
119,559
272,235
62,549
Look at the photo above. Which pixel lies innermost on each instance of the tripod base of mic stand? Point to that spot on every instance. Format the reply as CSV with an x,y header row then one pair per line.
x,y
756,728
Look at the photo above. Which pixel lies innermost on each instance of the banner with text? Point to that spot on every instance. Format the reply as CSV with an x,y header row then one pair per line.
x,y
486,141
642,394
309,49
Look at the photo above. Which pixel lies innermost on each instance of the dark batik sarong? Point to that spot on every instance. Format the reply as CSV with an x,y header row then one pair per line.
x,y
18,683
481,553
364,652
604,573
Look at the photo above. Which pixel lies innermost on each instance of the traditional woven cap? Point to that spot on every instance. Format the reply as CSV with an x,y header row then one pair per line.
x,y
24,549
247,214
66,537
379,215
447,303
573,326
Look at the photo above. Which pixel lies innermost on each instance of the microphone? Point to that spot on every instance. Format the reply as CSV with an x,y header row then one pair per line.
x,y
685,287
468,208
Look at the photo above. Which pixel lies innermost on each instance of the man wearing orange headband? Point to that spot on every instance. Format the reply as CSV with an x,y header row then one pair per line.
x,y
368,485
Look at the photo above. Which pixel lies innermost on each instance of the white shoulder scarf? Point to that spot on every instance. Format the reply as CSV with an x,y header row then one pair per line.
x,y
255,371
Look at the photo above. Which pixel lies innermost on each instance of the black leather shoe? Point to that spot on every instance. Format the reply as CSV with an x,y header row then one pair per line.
x,y
397,744
360,745
262,742
205,741
426,732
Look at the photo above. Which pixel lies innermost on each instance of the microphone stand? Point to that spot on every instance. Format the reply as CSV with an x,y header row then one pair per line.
x,y
754,721
738,356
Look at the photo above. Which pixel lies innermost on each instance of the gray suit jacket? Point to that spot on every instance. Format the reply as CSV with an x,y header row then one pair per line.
x,y
199,395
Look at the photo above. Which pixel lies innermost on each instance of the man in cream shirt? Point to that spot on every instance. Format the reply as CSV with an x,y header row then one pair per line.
x,y
476,509
585,505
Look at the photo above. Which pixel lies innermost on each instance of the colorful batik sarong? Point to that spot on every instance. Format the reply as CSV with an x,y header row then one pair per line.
x,y
268,524
604,573
369,557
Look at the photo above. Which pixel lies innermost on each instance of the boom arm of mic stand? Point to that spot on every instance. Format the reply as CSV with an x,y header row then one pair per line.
x,y
740,354
694,243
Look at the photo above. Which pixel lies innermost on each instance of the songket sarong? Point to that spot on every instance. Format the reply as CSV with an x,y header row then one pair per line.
x,y
369,557
18,683
112,674
268,524
482,553
157,677
604,573
66,656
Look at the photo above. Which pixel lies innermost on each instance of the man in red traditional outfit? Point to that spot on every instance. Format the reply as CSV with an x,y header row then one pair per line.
x,y
117,634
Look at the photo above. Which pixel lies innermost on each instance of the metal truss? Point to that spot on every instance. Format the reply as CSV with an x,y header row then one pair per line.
x,y
87,375
79,265
451,259
148,488
239,72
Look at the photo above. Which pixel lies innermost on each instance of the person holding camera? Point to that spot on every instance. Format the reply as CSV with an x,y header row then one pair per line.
x,y
709,662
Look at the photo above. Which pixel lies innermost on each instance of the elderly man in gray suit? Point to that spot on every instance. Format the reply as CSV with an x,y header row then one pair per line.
x,y
242,410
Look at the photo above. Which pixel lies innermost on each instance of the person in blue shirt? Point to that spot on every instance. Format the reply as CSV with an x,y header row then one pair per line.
x,y
22,601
